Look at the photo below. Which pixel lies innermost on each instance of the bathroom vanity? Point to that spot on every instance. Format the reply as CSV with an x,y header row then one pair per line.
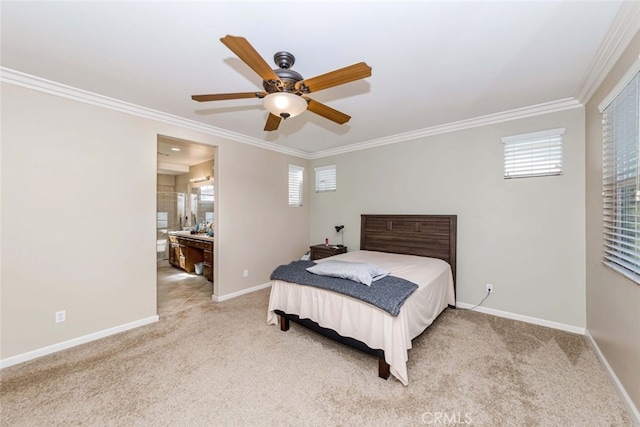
x,y
187,250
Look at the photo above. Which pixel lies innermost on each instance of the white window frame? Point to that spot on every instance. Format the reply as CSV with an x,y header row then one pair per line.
x,y
326,179
296,185
621,175
533,154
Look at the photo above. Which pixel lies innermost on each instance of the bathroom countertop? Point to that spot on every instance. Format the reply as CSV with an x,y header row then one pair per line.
x,y
194,236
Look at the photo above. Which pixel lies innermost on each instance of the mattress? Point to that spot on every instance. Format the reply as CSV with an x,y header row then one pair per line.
x,y
376,328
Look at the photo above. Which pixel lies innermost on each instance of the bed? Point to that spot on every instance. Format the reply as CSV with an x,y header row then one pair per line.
x,y
418,248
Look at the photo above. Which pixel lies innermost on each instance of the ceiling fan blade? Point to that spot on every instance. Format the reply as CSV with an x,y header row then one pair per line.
x,y
241,47
225,96
327,112
334,78
273,122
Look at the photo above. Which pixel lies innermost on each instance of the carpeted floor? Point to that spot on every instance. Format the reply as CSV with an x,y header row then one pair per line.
x,y
221,364
179,290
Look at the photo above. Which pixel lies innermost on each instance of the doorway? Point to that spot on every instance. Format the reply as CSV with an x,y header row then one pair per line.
x,y
185,203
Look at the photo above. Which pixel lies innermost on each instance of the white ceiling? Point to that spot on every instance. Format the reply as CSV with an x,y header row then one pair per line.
x,y
176,155
434,62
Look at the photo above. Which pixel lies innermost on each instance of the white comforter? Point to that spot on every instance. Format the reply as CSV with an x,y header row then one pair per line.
x,y
356,319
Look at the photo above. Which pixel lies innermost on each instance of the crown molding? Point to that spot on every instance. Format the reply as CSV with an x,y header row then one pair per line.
x,y
619,87
28,81
624,27
518,113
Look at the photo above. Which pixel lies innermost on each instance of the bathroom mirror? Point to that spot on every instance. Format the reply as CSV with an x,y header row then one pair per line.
x,y
202,204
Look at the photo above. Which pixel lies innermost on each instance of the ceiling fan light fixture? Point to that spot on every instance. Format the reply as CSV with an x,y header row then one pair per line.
x,y
284,104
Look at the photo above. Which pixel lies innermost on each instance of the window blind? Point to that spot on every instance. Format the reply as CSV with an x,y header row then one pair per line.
x,y
207,193
621,181
325,179
533,154
295,185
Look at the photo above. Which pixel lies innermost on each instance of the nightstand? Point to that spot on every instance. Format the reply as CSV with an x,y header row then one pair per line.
x,y
322,251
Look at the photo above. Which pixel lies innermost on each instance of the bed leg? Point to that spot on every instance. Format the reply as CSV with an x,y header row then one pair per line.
x,y
383,368
284,323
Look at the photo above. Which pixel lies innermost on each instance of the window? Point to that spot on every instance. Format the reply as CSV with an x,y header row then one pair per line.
x,y
621,180
325,179
162,220
533,154
295,185
207,193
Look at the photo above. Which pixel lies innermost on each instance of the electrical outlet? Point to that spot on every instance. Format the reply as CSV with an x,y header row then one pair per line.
x,y
489,288
245,273
61,316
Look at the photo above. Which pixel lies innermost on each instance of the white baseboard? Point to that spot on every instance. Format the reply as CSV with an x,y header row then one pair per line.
x,y
226,297
626,399
522,318
14,360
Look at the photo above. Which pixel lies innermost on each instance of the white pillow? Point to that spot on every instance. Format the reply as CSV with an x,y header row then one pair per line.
x,y
361,272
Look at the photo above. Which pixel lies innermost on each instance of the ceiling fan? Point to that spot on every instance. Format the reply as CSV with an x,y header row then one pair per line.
x,y
285,88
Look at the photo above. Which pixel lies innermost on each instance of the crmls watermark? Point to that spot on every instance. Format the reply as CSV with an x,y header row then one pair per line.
x,y
446,418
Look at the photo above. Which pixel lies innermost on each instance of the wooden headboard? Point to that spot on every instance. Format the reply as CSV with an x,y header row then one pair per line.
x,y
431,236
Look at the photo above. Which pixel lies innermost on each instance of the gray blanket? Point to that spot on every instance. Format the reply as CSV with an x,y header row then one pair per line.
x,y
388,293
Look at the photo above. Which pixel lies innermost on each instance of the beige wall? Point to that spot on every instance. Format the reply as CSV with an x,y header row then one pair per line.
x,y
182,183
166,180
525,236
201,169
613,301
73,240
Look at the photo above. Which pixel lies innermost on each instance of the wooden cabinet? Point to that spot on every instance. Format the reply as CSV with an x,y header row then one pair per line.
x,y
182,255
322,251
193,249
173,243
208,260
186,252
177,253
